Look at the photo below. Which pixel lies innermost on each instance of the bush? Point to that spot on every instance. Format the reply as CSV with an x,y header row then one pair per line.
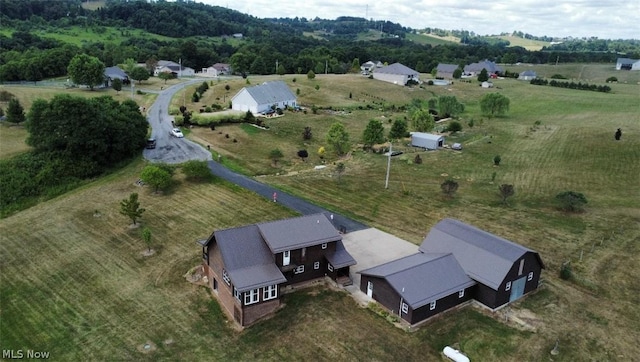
x,y
197,171
558,76
571,201
454,127
565,271
496,160
612,80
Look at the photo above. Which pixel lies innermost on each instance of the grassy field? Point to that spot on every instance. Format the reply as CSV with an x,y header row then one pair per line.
x,y
77,284
531,45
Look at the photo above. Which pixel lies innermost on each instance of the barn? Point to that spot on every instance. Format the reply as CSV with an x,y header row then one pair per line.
x,y
261,98
427,140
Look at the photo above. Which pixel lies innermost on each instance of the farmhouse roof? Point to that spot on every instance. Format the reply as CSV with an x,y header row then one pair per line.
x,y
528,73
299,232
221,66
627,60
270,92
490,66
396,68
423,278
485,257
247,259
340,258
115,72
446,68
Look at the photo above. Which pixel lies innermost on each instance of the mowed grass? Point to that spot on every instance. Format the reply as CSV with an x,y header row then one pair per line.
x,y
12,140
529,44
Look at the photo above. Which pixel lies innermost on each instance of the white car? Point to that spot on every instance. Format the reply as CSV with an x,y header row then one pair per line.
x,y
176,132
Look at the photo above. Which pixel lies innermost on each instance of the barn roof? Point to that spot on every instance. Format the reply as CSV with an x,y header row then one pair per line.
x,y
270,92
247,259
485,257
298,232
396,68
423,278
427,136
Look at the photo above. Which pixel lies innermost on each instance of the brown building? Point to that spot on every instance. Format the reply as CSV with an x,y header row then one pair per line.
x,y
248,266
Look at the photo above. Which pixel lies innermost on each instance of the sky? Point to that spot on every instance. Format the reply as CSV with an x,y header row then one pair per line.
x,y
605,19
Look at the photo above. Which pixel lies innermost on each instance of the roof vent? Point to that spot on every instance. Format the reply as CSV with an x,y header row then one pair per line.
x,y
318,221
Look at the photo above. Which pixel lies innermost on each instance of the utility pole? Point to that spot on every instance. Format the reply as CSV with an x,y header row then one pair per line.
x,y
386,181
276,66
326,67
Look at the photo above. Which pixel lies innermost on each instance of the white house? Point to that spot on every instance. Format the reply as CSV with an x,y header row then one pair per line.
x,y
427,140
627,64
396,73
475,68
370,66
527,75
217,70
167,66
261,98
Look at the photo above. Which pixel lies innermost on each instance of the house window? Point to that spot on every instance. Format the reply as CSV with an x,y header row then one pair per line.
x,y
304,254
432,305
299,270
324,245
251,297
270,292
225,277
508,287
461,293
316,265
405,308
286,258
330,267
236,293
530,276
521,267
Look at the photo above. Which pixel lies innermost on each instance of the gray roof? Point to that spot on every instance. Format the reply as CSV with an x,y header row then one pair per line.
x,y
528,73
627,60
485,257
447,68
270,92
298,232
396,68
426,136
341,257
423,278
490,66
115,72
248,261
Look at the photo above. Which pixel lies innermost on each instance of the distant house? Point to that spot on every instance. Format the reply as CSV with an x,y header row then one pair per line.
x,y
445,71
370,66
457,262
111,73
166,66
217,70
261,98
527,75
475,68
248,267
427,140
486,84
627,64
396,73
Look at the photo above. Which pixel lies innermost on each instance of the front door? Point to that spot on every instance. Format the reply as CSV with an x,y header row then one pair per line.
x,y
286,258
517,288
369,289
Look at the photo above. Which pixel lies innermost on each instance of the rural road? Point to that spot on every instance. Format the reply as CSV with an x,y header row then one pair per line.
x,y
177,150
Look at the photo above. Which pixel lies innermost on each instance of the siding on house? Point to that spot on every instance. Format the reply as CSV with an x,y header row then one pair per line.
x,y
396,73
260,98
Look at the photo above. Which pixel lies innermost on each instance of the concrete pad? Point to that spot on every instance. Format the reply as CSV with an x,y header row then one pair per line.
x,y
372,247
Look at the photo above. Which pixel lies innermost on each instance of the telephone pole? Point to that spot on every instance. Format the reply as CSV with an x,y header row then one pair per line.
x,y
386,181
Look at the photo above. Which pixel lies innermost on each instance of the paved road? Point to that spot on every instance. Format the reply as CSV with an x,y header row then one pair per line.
x,y
170,149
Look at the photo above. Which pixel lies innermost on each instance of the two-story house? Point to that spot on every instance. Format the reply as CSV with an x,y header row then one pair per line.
x,y
247,267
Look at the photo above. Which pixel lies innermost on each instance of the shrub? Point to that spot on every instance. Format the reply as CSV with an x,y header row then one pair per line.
x,y
496,160
558,76
196,171
417,160
565,271
571,201
612,80
454,127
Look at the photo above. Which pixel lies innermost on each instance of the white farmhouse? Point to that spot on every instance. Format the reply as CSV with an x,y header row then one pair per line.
x,y
263,98
396,73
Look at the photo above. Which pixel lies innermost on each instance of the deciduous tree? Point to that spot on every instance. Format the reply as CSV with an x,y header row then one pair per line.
x,y
571,201
506,191
307,134
87,70
448,106
275,155
303,154
494,104
146,236
139,74
165,76
398,129
449,187
116,84
373,133
338,138
131,208
156,177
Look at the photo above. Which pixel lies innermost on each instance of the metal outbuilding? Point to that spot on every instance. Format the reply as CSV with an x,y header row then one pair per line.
x,y
427,140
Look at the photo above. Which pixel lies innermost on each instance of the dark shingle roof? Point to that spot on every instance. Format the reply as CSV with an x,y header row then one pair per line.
x,y
485,257
270,92
423,278
115,72
248,261
299,232
396,68
447,68
528,73
490,66
341,257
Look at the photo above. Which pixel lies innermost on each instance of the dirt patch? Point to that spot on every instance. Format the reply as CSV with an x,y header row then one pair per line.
x,y
147,347
148,252
196,275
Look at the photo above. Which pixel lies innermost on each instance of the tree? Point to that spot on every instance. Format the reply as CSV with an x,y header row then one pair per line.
x,y
618,134
374,133
197,171
494,104
306,134
87,70
338,138
496,160
139,74
156,177
422,120
146,236
483,76
165,76
571,201
321,152
311,75
506,191
449,187
281,70
275,155
398,129
15,112
454,126
417,160
448,106
457,74
116,84
303,154
131,208
340,169
129,65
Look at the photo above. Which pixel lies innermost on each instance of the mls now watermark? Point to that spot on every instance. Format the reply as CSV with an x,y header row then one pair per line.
x,y
24,353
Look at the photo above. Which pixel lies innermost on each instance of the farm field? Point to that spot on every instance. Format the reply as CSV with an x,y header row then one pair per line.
x,y
79,280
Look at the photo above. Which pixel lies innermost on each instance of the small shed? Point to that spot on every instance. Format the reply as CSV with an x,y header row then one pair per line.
x,y
427,140
486,85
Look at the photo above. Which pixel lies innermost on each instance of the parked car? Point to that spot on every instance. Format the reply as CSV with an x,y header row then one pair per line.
x,y
456,146
151,143
176,132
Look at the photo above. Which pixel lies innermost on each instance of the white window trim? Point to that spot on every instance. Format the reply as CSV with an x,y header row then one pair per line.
x,y
236,293
432,305
461,293
270,292
251,297
521,267
508,287
330,267
316,265
405,308
286,257
225,277
299,269
324,245
530,276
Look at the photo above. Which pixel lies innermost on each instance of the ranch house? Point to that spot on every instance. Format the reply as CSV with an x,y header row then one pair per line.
x,y
263,98
396,73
